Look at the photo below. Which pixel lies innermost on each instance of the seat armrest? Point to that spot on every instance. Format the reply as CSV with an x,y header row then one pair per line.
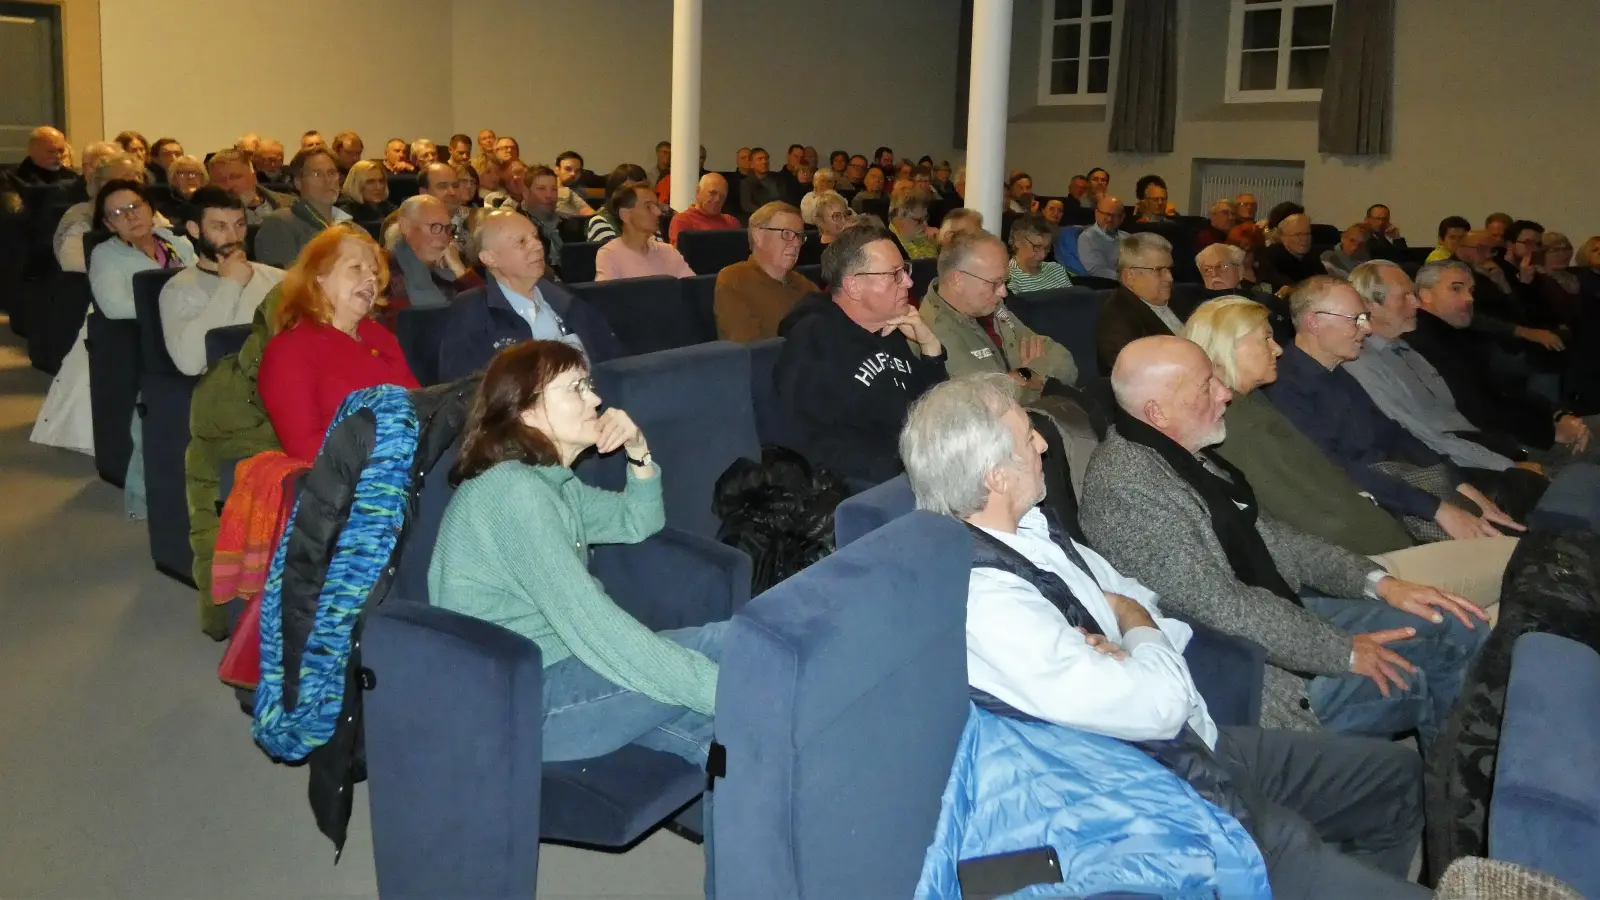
x,y
1228,672
674,579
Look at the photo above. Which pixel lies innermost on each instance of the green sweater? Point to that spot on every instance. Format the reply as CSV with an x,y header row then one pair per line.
x,y
1295,483
513,549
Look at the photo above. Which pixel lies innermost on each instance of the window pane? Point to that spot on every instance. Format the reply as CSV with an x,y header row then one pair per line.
x,y
1065,43
1100,8
1099,76
1069,9
1100,39
1306,68
1064,77
1313,26
1258,71
1261,29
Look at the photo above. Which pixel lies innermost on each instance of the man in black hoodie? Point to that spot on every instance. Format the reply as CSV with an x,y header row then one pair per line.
x,y
855,358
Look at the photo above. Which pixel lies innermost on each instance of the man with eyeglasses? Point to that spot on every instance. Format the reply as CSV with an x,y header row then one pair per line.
x,y
517,303
426,270
855,358
753,296
285,233
706,214
1402,473
1097,244
965,307
1141,305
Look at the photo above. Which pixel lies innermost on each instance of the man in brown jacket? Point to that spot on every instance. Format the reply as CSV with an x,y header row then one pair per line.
x,y
753,296
1139,308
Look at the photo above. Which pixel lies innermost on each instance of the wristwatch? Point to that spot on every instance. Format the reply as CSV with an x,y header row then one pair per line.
x,y
1025,372
646,460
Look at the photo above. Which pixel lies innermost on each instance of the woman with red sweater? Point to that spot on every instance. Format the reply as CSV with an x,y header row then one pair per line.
x,y
326,343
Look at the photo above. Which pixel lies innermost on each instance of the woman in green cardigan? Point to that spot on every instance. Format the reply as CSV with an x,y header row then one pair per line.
x,y
1297,484
513,549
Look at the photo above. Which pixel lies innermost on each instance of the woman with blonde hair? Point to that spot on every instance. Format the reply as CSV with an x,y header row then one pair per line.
x,y
365,195
326,343
1295,483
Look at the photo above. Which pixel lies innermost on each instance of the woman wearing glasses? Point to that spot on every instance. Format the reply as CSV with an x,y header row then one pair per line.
x,y
285,233
1031,240
753,296
908,219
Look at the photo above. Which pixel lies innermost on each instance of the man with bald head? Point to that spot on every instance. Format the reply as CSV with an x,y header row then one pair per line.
x,y
706,214
1097,245
46,160
518,303
425,266
1165,509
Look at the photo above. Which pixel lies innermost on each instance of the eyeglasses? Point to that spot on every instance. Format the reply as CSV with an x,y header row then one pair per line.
x,y
578,388
1037,248
789,235
437,228
322,174
1217,270
122,212
994,284
904,271
1361,319
1158,270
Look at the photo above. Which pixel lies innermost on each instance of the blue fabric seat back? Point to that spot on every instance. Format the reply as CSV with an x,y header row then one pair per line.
x,y
163,408
222,341
700,295
1068,316
114,369
648,314
771,424
460,820
841,700
422,532
1545,811
402,186
53,324
872,509
577,262
923,272
709,252
153,354
419,332
813,272
693,404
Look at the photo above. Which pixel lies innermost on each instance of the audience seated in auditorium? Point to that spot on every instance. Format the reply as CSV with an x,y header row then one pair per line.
x,y
753,296
1053,211
485,177
1521,264
1019,194
569,170
313,140
140,245
1383,237
1055,632
1402,473
248,143
855,358
134,144
607,224
486,139
1141,304
958,221
425,266
513,549
1165,509
286,231
512,188
1295,483
233,171
1560,292
1029,270
268,163
759,187
516,304
855,172
706,214
469,188
871,190
965,308
1353,250
822,182
1245,208
1077,190
424,153
185,175
222,288
1097,245
347,149
1151,191
1219,223
1451,230
1289,260
538,202
838,163
75,222
1223,271
460,148
638,251
396,159
1497,223
1498,307
908,221
1099,185
162,154
44,165
365,195
327,343
442,182
506,149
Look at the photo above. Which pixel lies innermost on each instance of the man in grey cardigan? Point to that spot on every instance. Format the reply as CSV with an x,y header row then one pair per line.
x,y
1185,523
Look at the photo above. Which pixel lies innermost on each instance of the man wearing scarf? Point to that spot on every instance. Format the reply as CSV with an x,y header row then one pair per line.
x,y
425,267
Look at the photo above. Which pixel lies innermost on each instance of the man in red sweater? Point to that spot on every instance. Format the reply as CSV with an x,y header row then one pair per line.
x,y
706,214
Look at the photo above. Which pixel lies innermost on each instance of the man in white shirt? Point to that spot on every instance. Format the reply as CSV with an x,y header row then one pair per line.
x,y
222,288
1055,633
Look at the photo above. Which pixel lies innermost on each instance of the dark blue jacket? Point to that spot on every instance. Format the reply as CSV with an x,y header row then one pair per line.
x,y
481,323
1334,411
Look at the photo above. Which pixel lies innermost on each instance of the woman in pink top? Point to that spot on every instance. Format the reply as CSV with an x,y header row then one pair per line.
x,y
638,252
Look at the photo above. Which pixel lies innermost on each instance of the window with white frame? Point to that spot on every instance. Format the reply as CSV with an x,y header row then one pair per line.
x,y
1278,50
1078,51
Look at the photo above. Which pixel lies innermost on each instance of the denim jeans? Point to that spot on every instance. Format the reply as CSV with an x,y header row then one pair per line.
x,y
1441,653
586,715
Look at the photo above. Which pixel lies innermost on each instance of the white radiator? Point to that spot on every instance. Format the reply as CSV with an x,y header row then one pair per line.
x,y
1272,184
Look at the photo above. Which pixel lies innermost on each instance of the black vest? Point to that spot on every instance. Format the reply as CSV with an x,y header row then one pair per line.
x,y
1185,755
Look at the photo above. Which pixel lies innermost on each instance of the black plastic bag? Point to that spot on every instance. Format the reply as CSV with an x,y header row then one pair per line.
x,y
779,511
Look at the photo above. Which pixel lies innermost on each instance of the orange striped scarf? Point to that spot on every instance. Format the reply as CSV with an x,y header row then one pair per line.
x,y
253,519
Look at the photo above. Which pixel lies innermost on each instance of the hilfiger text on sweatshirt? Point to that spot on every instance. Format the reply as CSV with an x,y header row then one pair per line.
x,y
881,362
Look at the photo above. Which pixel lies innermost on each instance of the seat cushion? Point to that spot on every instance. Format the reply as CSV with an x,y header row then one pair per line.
x,y
612,800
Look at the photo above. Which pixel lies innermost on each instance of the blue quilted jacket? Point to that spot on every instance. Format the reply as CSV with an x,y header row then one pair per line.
x,y
1116,818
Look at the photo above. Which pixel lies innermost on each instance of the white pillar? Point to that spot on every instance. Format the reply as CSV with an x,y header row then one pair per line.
x,y
987,99
685,102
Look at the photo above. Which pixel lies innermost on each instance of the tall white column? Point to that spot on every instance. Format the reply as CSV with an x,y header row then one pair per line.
x,y
685,102
987,99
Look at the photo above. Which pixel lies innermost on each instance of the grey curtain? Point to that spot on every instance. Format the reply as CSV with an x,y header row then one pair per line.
x,y
1144,108
1357,91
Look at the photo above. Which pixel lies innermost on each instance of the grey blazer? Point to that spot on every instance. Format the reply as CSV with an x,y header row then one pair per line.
x,y
1146,520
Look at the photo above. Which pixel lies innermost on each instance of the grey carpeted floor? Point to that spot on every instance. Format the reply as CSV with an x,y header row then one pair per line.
x,y
126,769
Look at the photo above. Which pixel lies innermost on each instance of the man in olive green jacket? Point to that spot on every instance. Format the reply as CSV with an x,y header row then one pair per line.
x,y
966,310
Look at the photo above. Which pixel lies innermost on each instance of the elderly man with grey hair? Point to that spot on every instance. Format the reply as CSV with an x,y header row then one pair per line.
x,y
1140,306
425,266
1055,632
1171,512
423,154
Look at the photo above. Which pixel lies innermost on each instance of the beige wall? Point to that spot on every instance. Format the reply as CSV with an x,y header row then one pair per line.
x,y
80,64
1494,109
205,71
